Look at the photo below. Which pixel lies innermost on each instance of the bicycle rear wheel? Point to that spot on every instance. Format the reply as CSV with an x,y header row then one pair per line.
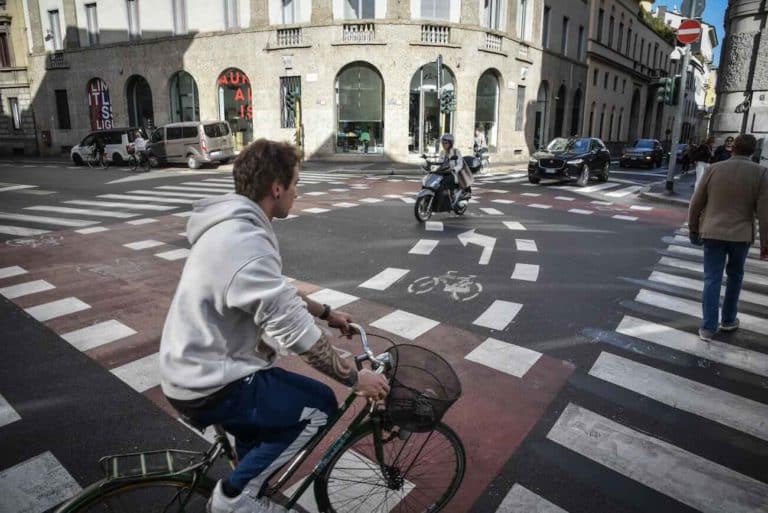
x,y
133,161
158,495
421,472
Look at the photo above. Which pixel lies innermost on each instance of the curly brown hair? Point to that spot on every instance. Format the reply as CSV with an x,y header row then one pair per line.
x,y
261,163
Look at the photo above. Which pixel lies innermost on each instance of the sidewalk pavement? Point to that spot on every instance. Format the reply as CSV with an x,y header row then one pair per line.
x,y
683,190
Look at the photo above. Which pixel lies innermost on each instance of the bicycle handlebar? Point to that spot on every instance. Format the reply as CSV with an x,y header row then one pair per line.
x,y
366,348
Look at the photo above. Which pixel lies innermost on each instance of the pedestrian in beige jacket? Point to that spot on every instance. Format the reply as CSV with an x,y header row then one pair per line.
x,y
722,216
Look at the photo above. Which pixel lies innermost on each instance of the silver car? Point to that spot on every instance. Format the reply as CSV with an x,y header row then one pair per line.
x,y
194,143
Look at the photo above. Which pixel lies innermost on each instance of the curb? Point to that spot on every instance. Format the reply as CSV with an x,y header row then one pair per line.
x,y
663,198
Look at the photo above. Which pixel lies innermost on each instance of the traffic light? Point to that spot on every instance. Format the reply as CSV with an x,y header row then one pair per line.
x,y
664,93
675,90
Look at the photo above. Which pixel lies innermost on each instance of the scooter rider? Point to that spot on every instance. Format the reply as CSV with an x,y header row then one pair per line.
x,y
447,155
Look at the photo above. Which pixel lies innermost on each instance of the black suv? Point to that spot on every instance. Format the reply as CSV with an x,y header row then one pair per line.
x,y
576,159
645,152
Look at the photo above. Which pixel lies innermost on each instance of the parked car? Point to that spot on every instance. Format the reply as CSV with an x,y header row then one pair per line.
x,y
194,143
116,142
645,152
576,159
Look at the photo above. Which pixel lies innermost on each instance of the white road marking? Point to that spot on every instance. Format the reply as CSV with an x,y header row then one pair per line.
x,y
21,231
514,225
698,285
580,211
685,250
223,186
143,244
93,229
137,222
10,188
184,214
727,354
345,205
316,210
704,485
141,374
58,221
405,324
393,196
36,485
9,272
603,203
212,190
496,191
640,208
315,193
526,245
7,413
693,308
98,334
504,357
289,216
503,201
175,254
522,500
564,198
434,226
59,308
385,279
333,298
534,194
222,180
26,288
492,211
498,315
599,187
156,199
538,205
624,192
525,272
169,194
484,241
116,204
338,189
753,278
625,218
410,201
424,247
371,200
711,403
83,211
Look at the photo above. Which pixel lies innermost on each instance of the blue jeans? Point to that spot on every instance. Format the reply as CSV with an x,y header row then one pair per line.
x,y
715,254
272,414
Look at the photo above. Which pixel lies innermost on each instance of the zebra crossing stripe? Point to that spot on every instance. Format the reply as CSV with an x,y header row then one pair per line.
x,y
332,298
434,226
143,244
539,205
693,308
24,289
514,225
141,374
9,272
187,188
704,485
7,413
115,204
698,285
54,309
424,247
751,278
21,231
492,211
698,252
229,186
98,334
504,357
599,187
175,254
624,192
385,279
171,194
94,229
580,211
625,218
525,272
526,245
16,188
498,315
83,211
404,324
726,354
57,221
316,210
522,500
36,485
711,403
156,199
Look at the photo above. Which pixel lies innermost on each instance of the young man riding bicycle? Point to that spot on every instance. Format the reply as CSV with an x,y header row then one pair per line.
x,y
233,314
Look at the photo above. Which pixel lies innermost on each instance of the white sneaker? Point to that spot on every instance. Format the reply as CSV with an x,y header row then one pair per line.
x,y
220,503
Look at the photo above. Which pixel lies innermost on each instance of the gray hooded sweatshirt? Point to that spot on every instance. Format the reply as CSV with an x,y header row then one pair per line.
x,y
233,311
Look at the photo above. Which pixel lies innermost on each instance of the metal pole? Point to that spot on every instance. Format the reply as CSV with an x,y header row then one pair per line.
x,y
677,127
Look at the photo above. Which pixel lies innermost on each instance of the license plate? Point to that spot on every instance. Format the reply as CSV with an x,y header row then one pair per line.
x,y
550,171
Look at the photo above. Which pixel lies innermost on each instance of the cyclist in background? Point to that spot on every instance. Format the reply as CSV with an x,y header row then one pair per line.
x,y
99,148
233,314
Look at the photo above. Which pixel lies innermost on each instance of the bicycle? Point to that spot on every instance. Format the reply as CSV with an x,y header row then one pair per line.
x,y
142,160
97,159
485,159
362,469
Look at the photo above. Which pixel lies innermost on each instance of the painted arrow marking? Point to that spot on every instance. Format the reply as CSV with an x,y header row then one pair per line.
x,y
485,241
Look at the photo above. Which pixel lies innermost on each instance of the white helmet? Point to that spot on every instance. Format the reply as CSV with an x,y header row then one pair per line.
x,y
447,138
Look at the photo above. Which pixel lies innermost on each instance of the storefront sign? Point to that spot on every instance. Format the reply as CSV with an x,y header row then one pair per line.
x,y
237,87
99,105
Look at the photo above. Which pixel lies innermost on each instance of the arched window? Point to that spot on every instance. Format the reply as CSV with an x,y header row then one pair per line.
x,y
542,111
560,111
576,113
360,109
425,121
140,109
185,104
99,104
610,124
236,104
487,108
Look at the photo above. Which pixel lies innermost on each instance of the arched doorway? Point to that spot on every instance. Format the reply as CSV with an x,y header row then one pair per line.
x,y
487,108
185,103
650,103
600,132
359,109
620,126
540,129
140,109
610,124
236,104
659,120
575,113
99,104
591,127
560,111
425,121
634,117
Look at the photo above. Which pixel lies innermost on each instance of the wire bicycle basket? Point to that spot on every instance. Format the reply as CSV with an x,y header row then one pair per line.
x,y
422,388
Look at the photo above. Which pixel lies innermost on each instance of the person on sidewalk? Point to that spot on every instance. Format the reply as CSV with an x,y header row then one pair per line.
x,y
702,156
722,219
724,151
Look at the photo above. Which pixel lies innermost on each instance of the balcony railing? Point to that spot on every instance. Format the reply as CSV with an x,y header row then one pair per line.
x,y
493,42
435,34
289,37
56,61
359,33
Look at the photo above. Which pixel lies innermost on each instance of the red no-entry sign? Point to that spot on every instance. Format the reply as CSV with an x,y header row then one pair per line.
x,y
689,32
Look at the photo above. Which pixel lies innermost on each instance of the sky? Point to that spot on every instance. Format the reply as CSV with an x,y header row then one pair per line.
x,y
713,14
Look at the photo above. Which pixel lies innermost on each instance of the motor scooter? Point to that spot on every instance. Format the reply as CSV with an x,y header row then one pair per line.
x,y
436,195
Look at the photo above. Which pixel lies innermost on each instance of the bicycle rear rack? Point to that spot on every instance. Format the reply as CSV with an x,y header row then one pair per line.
x,y
150,463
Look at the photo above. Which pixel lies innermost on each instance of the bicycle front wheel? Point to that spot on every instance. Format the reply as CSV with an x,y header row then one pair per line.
x,y
160,495
133,161
420,472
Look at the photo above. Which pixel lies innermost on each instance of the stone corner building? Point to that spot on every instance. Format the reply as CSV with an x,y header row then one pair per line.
x,y
742,81
520,70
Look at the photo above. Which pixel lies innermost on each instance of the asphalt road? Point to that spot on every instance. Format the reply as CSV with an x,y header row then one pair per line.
x,y
569,316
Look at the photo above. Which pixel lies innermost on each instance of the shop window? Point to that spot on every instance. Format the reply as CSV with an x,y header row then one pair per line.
x,y
487,108
185,104
360,110
290,90
359,9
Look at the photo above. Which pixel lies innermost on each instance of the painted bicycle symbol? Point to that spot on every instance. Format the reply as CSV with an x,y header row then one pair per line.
x,y
459,287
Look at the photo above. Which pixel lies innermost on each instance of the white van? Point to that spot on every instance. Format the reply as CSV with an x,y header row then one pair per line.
x,y
116,142
193,142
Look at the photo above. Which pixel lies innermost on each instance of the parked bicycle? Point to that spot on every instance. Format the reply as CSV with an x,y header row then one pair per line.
x,y
96,158
138,159
485,159
394,456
